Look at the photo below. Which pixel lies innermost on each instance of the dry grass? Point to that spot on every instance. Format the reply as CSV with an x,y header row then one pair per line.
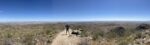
x,y
103,33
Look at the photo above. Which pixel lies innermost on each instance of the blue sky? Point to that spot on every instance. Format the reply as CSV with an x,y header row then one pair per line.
x,y
74,10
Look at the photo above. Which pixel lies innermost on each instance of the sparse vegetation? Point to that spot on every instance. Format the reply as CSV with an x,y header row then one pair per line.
x,y
102,33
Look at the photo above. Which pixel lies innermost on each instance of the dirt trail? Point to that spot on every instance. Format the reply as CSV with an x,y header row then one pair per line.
x,y
68,39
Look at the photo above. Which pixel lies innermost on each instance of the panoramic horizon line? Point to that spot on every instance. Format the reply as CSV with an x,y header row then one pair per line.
x,y
85,21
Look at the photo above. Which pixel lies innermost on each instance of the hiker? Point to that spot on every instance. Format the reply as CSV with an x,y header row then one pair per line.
x,y
67,28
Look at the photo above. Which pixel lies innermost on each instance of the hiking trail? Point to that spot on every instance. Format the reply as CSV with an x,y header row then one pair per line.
x,y
69,39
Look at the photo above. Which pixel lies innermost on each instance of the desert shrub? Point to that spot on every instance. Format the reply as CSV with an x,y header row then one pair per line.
x,y
123,43
119,31
48,32
116,32
9,35
84,33
129,32
139,35
28,39
143,27
111,35
97,35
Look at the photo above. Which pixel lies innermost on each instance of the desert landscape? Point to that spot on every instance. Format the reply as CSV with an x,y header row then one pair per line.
x,y
74,22
94,33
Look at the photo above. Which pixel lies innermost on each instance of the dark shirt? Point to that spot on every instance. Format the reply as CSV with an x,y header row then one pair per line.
x,y
67,26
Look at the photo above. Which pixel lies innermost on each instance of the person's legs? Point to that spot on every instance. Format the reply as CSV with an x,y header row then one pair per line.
x,y
67,30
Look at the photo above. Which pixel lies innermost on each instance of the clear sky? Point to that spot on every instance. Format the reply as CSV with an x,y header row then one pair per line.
x,y
74,10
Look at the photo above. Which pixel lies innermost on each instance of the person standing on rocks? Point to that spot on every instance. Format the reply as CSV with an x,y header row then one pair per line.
x,y
67,28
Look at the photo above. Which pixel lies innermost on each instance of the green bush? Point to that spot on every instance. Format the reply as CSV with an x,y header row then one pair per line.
x,y
123,43
97,35
118,31
28,39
